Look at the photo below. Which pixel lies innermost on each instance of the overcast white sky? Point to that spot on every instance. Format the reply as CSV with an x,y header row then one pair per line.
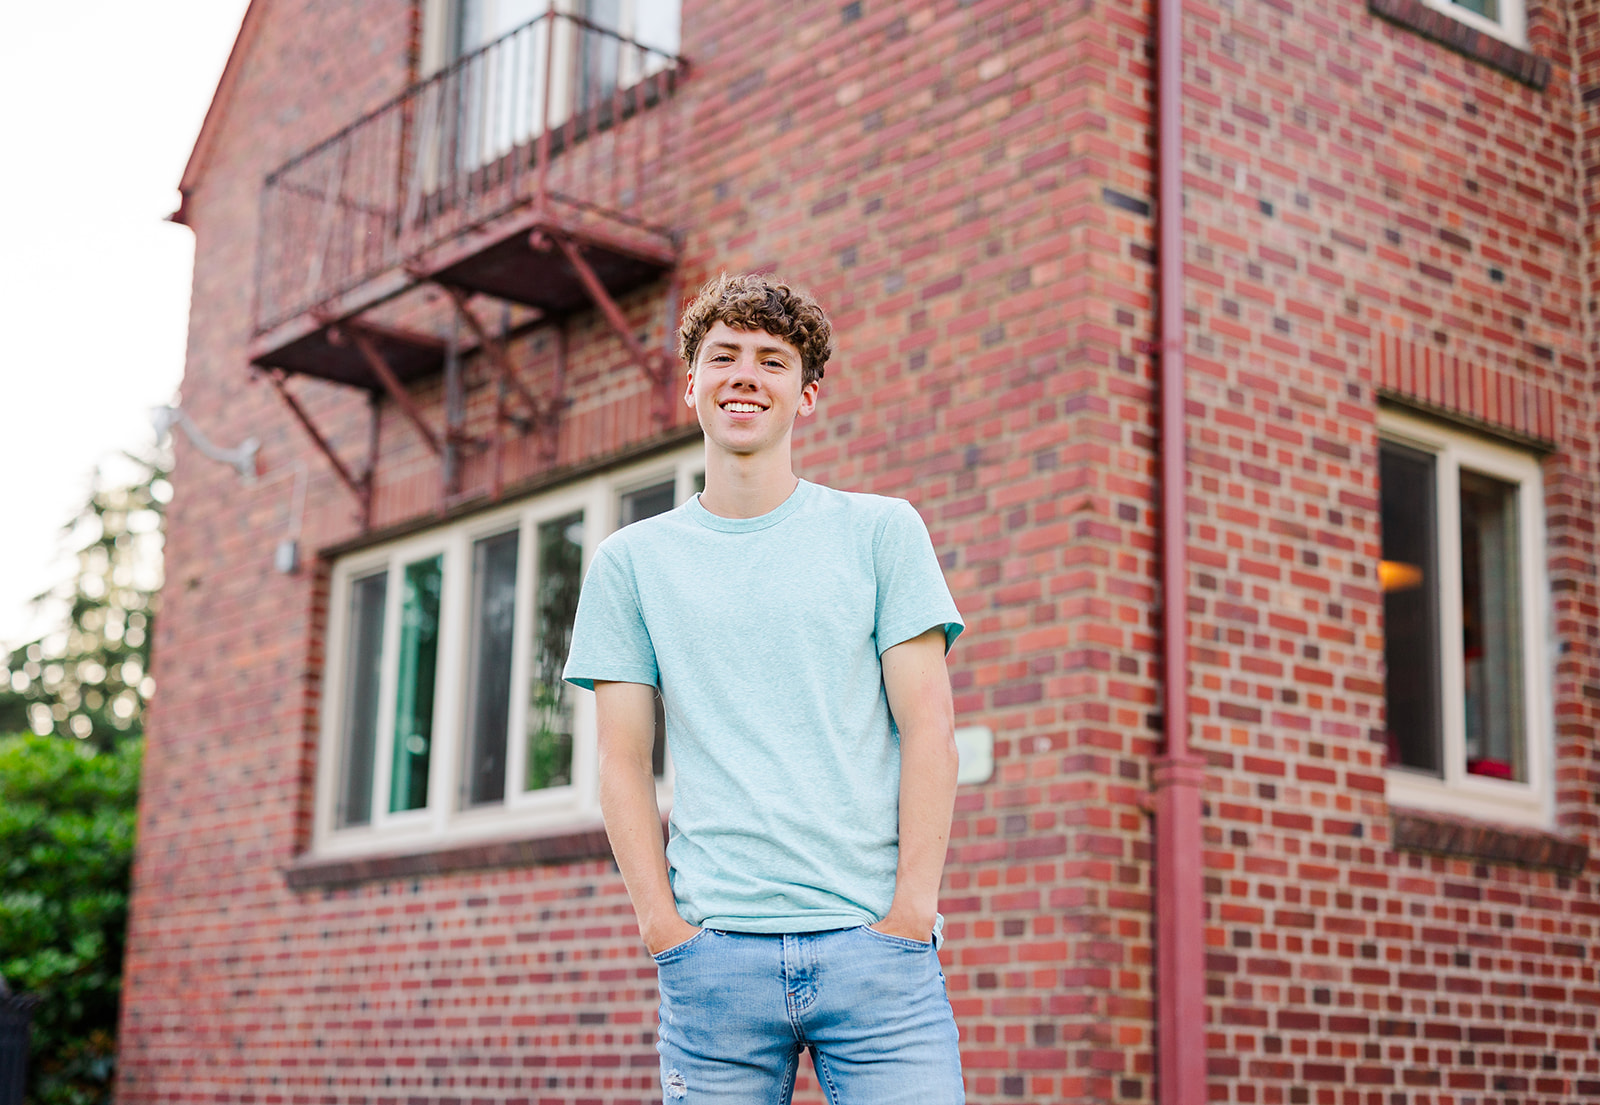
x,y
98,114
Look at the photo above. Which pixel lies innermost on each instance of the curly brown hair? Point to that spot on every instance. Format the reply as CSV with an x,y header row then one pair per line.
x,y
750,301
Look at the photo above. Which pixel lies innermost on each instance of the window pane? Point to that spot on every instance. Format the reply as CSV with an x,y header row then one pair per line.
x,y
495,100
483,21
556,600
419,658
1409,578
638,505
599,53
1489,9
1490,617
363,667
494,605
647,502
656,24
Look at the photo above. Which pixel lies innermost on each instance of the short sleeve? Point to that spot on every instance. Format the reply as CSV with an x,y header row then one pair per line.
x,y
609,639
912,595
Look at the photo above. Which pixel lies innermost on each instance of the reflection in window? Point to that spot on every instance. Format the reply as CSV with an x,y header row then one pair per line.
x,y
1489,627
560,568
1409,578
494,605
363,668
419,659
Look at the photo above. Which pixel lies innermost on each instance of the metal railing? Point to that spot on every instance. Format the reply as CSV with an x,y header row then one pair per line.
x,y
555,109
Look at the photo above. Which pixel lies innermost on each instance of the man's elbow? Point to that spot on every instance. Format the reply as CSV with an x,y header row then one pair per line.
x,y
933,743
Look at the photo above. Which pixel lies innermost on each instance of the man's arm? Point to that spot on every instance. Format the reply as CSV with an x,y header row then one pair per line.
x,y
918,686
626,720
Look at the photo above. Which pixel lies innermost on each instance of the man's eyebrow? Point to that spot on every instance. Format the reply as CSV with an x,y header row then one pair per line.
x,y
759,349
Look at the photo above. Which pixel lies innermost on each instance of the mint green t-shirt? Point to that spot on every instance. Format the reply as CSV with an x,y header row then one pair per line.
x,y
764,636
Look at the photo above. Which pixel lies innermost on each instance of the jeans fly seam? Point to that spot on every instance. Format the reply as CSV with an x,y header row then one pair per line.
x,y
799,988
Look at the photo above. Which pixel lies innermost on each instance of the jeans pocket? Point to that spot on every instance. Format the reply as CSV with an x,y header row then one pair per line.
x,y
919,945
904,942
678,951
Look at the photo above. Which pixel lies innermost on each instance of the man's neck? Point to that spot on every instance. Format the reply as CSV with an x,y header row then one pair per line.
x,y
746,486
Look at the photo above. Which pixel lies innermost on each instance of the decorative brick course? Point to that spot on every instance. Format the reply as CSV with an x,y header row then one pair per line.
x,y
1506,403
1458,836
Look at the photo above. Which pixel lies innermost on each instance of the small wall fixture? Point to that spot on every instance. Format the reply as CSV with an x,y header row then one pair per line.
x,y
242,458
975,747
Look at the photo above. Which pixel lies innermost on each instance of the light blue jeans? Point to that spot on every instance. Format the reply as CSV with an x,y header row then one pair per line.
x,y
737,1008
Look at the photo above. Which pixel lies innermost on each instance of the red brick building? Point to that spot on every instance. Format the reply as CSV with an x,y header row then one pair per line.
x,y
440,248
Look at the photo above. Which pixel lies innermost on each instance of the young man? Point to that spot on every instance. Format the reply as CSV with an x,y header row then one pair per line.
x,y
797,636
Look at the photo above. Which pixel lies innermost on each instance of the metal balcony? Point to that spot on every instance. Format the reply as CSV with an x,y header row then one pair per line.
x,y
523,171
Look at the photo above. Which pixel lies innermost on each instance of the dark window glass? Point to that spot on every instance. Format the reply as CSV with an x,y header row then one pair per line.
x,y
647,502
1490,620
598,52
560,568
638,505
363,667
494,606
419,661
1409,578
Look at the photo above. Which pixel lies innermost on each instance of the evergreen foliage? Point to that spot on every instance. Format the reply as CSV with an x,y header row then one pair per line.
x,y
89,680
67,812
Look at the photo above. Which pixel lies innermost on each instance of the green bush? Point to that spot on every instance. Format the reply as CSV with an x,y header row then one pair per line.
x,y
67,813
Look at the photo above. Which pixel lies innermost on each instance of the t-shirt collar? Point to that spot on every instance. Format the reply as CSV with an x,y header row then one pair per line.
x,y
796,499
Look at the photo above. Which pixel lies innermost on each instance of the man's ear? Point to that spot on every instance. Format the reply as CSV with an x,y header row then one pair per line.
x,y
688,391
808,398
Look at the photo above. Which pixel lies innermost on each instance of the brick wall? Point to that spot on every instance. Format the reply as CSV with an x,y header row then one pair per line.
x,y
1373,212
968,187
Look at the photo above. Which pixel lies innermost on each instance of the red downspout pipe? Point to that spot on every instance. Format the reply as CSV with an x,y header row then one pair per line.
x,y
1179,773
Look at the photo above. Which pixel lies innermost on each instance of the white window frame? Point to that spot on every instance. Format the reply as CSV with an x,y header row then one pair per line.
x,y
1524,803
1512,26
445,822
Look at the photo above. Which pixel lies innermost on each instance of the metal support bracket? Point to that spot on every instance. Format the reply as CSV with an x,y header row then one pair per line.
x,y
653,363
543,415
495,348
391,384
360,486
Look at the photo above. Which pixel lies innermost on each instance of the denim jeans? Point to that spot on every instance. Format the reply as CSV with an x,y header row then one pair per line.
x,y
737,1008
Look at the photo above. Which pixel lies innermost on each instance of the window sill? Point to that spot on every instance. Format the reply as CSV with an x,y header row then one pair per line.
x,y
1441,27
311,872
1444,834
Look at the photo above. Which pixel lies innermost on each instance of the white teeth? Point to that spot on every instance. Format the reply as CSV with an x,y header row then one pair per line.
x,y
742,408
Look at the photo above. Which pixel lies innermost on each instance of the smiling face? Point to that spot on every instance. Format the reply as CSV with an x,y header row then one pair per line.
x,y
745,387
